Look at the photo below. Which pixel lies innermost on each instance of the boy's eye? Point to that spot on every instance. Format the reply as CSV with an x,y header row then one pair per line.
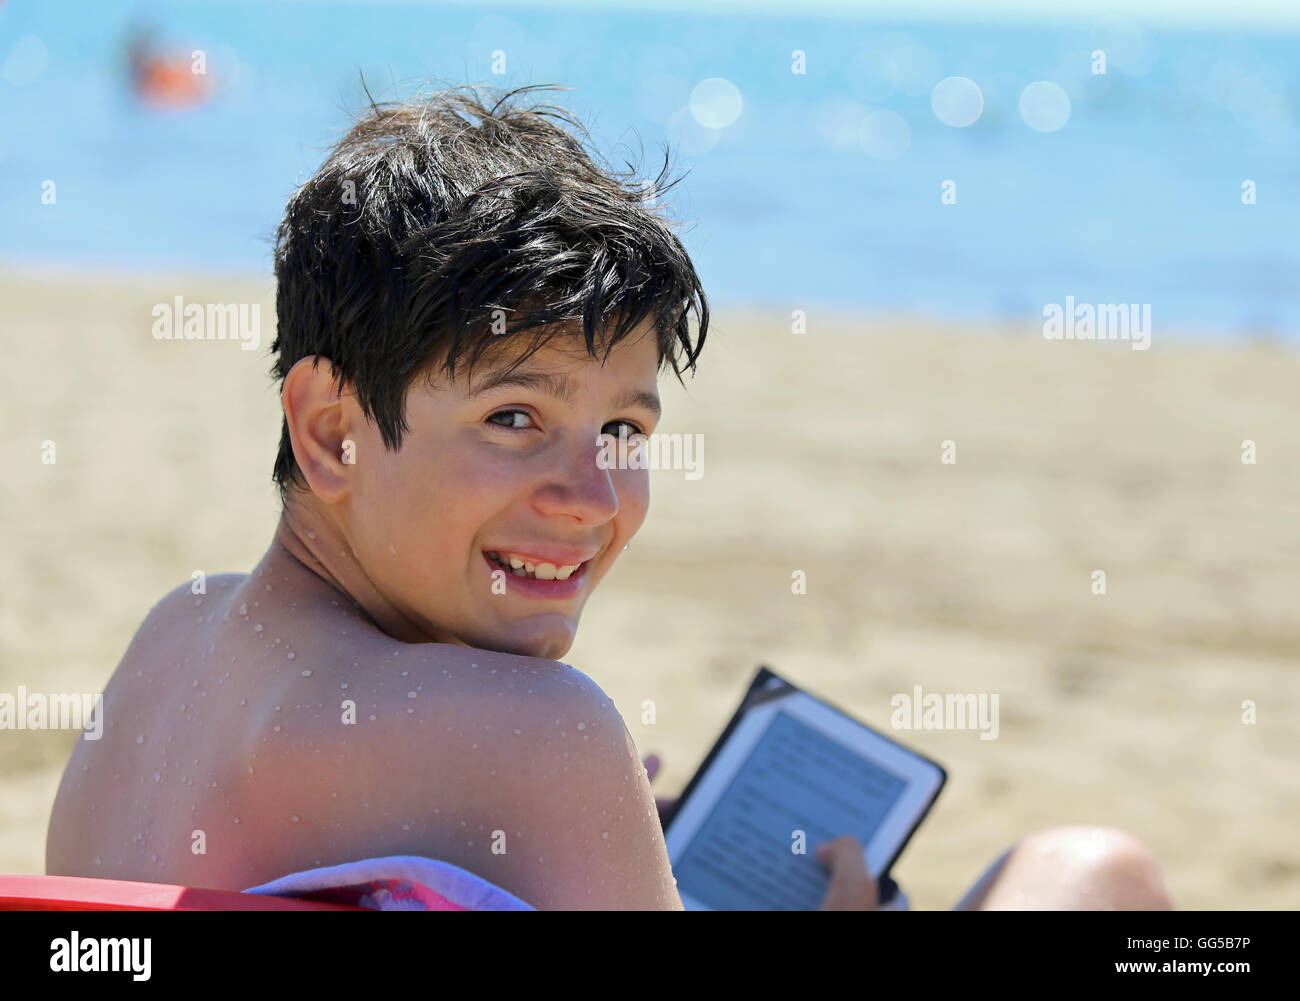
x,y
512,419
632,429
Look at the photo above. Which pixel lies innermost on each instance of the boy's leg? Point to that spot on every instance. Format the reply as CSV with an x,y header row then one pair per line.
x,y
1071,869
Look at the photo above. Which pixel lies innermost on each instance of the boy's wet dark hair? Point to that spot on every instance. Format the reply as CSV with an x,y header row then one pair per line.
x,y
440,229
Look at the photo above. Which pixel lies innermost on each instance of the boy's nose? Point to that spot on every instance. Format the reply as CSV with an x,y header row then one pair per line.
x,y
579,488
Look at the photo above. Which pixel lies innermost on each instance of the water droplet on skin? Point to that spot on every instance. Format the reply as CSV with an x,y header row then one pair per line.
x,y
410,695
291,656
243,702
372,716
406,827
268,587
98,860
257,628
236,820
519,731
276,728
410,709
392,549
243,609
196,683
605,835
294,817
344,685
582,726
140,739
157,776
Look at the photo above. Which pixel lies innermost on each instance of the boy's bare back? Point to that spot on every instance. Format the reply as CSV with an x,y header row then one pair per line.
x,y
270,724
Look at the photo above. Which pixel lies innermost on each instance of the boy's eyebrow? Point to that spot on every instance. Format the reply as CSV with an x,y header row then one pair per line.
x,y
562,388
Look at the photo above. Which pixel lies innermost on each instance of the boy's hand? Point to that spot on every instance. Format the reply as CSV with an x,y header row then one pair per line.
x,y
852,888
665,804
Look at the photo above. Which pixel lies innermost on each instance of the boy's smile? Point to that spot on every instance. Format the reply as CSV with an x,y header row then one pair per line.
x,y
493,522
549,568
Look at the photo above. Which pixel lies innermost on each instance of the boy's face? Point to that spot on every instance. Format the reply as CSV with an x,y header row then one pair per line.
x,y
498,474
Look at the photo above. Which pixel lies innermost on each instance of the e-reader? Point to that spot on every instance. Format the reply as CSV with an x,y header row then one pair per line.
x,y
789,772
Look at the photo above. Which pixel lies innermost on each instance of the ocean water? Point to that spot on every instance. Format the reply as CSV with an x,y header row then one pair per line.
x,y
825,190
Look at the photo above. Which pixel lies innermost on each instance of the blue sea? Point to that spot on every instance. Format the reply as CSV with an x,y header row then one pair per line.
x,y
821,188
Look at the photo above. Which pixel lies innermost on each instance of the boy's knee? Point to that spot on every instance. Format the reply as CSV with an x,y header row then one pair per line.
x,y
1105,864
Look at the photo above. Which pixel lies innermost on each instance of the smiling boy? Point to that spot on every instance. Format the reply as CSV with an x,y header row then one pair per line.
x,y
468,307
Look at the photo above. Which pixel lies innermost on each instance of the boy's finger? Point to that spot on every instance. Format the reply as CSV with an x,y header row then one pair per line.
x,y
852,888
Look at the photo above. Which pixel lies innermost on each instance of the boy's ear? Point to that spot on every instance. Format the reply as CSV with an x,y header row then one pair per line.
x,y
318,422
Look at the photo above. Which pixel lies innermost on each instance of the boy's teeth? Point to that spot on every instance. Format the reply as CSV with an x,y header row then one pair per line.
x,y
539,571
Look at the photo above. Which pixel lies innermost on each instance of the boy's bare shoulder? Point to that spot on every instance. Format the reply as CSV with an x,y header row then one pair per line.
x,y
378,702
425,749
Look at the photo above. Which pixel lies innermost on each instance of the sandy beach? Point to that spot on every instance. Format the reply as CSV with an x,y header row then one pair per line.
x,y
822,455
